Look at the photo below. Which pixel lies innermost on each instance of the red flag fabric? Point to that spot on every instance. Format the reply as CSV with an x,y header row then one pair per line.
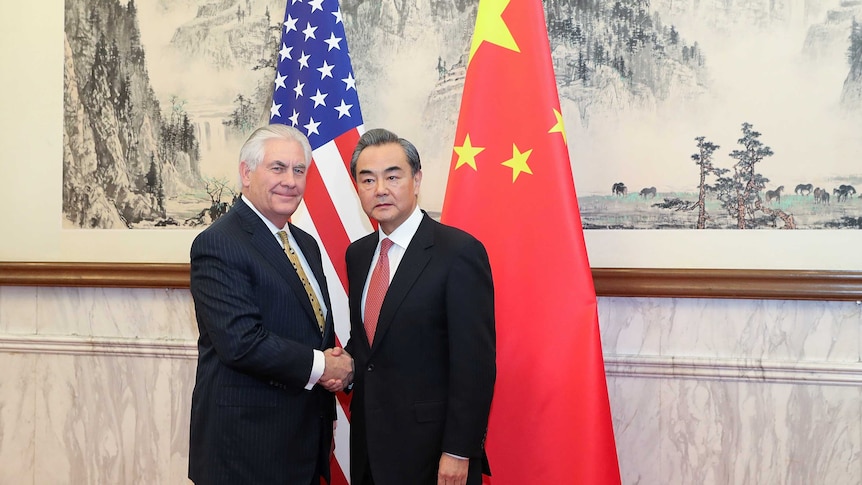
x,y
510,184
315,91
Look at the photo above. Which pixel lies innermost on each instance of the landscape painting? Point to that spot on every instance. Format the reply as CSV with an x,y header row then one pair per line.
x,y
158,95
679,114
712,115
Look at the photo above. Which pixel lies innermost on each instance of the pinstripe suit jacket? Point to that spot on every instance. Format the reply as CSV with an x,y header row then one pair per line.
x,y
425,385
252,421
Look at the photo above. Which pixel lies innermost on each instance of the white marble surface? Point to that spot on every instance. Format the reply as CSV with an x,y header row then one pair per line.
x,y
98,400
18,390
97,383
777,330
736,429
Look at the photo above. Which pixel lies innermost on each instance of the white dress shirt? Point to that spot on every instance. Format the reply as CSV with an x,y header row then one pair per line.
x,y
400,237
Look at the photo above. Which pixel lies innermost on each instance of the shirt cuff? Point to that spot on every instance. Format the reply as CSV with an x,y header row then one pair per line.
x,y
317,369
456,456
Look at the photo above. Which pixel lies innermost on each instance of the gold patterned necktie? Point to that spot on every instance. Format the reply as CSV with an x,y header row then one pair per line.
x,y
377,290
294,260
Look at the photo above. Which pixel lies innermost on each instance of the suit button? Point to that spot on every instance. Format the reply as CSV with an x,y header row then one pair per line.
x,y
370,368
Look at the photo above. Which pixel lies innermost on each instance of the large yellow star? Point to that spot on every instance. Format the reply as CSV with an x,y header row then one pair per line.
x,y
518,162
491,28
467,154
559,128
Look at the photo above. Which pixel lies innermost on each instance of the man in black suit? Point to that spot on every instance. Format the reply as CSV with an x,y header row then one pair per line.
x,y
425,373
258,415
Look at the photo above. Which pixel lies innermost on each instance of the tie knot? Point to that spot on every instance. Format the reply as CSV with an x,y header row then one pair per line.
x,y
283,236
385,244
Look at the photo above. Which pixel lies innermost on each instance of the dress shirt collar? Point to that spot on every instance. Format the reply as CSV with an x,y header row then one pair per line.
x,y
272,228
403,234
302,261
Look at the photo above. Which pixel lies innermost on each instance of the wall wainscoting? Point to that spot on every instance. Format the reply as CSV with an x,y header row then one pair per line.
x,y
96,346
633,366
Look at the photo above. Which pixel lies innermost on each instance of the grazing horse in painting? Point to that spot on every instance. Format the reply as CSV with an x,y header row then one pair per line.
x,y
803,189
821,196
843,191
620,189
648,192
774,194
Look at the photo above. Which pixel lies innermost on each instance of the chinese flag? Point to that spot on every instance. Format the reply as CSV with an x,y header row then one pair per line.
x,y
510,184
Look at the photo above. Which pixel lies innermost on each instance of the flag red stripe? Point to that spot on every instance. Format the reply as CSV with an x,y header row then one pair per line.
x,y
346,143
337,473
344,400
332,234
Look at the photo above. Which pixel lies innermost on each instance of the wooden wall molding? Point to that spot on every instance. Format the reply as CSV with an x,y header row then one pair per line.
x,y
623,282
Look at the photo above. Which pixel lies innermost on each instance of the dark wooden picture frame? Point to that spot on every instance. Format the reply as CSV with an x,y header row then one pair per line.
x,y
622,282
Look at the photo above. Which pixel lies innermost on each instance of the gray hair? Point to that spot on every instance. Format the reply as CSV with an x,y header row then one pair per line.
x,y
252,151
380,136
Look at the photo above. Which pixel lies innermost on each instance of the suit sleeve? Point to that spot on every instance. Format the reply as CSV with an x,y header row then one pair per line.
x,y
230,317
353,280
472,350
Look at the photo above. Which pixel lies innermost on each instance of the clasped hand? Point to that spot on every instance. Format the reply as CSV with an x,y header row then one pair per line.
x,y
338,372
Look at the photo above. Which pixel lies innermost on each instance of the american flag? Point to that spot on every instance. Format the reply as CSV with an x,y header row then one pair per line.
x,y
315,91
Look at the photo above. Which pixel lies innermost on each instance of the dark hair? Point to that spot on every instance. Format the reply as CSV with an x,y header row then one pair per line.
x,y
381,136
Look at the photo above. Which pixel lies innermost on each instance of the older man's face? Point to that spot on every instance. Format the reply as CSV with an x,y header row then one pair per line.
x,y
276,186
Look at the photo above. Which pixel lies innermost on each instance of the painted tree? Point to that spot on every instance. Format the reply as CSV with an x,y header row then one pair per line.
x,y
740,192
581,69
155,185
178,135
703,159
854,52
244,116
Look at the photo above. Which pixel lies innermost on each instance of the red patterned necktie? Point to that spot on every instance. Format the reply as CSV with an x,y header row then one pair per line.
x,y
377,290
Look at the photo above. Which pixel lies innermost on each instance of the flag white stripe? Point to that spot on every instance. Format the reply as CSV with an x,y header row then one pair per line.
x,y
339,184
342,442
337,293
341,316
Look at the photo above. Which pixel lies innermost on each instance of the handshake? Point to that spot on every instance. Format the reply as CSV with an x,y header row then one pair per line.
x,y
338,372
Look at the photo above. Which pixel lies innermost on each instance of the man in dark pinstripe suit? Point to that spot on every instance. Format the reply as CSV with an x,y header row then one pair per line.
x,y
258,414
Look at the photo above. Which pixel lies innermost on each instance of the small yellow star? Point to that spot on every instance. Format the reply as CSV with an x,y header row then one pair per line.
x,y
559,128
467,154
518,162
491,28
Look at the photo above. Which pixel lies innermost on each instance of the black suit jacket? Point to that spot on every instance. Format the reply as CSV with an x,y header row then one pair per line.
x,y
252,421
425,386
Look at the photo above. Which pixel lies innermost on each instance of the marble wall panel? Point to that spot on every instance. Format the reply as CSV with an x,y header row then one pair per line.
x,y
778,330
636,412
97,383
117,312
748,433
18,388
181,386
103,419
632,326
18,310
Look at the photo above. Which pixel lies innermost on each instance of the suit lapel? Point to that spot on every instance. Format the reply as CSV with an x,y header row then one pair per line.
x,y
415,260
265,243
